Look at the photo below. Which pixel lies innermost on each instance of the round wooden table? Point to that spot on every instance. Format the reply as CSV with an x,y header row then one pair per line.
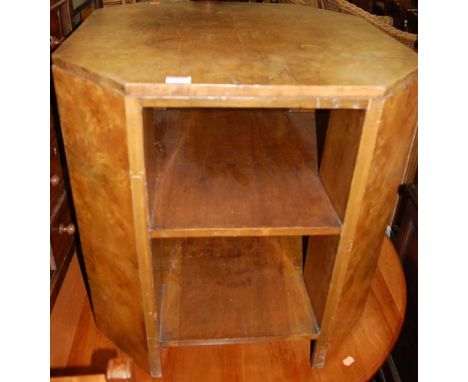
x,y
369,344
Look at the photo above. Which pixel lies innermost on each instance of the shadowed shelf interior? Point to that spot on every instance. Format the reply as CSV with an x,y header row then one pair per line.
x,y
233,290
231,173
221,172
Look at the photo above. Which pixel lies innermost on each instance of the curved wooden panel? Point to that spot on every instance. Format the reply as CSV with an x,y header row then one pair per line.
x,y
95,138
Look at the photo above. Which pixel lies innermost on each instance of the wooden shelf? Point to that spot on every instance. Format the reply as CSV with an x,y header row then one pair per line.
x,y
232,290
223,172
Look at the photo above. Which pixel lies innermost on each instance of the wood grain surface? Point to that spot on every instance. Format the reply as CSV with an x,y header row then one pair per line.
x,y
137,172
318,268
83,378
380,163
95,137
65,314
339,157
135,124
369,343
237,173
385,174
233,290
223,47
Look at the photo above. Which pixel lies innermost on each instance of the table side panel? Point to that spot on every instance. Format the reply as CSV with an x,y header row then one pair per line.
x,y
94,132
318,268
339,156
386,173
382,156
336,172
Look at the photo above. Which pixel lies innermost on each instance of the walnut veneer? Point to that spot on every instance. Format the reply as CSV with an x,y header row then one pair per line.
x,y
166,177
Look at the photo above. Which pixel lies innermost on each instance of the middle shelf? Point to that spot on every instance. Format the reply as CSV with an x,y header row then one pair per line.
x,y
230,172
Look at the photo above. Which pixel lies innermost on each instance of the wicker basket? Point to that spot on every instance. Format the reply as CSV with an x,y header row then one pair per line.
x,y
384,23
111,3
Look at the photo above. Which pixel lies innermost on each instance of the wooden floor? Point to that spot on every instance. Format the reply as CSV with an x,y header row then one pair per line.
x,y
368,344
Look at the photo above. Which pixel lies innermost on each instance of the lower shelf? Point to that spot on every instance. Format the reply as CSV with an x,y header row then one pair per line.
x,y
232,290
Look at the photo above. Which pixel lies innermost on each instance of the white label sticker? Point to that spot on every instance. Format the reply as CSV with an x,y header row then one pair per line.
x,y
348,361
178,80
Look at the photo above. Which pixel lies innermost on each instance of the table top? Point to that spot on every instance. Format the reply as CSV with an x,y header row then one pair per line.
x,y
224,46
